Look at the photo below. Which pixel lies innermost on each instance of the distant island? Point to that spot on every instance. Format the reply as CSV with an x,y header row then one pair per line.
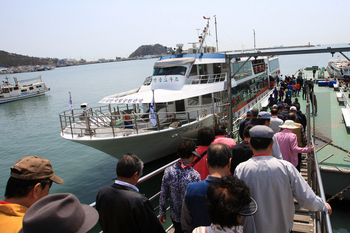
x,y
149,50
8,60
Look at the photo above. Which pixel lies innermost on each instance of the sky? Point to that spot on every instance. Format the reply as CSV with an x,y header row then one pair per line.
x,y
91,29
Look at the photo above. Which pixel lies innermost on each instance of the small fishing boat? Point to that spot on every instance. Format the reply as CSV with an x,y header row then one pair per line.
x,y
11,92
188,90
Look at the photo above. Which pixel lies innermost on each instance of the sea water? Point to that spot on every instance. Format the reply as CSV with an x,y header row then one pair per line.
x,y
32,127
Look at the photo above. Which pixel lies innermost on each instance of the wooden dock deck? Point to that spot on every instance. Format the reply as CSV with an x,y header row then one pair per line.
x,y
304,220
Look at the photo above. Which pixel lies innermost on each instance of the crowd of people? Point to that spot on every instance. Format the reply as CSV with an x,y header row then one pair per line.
x,y
288,87
216,185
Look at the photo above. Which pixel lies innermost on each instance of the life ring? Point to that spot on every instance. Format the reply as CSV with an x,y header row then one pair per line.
x,y
256,69
263,67
260,69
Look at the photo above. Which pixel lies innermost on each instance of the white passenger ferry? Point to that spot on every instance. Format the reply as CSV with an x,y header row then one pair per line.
x,y
11,92
188,90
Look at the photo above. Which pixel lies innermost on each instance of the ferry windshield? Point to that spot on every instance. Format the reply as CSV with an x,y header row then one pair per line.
x,y
175,70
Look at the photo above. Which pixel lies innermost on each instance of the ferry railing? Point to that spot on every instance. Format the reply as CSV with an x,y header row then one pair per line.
x,y
208,78
101,122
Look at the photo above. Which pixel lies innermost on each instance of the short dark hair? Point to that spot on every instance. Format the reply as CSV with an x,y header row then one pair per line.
x,y
218,155
226,197
185,148
260,143
262,121
128,164
274,111
291,116
205,136
254,112
246,130
219,129
18,188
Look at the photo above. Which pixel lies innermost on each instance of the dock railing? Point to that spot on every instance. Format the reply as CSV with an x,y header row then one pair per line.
x,y
323,222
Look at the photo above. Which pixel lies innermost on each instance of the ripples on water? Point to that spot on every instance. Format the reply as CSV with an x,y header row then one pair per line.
x,y
32,127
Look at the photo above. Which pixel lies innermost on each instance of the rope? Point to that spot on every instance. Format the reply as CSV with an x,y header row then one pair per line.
x,y
338,194
332,144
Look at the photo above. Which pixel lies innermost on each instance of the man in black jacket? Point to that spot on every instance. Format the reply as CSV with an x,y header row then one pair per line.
x,y
121,207
241,152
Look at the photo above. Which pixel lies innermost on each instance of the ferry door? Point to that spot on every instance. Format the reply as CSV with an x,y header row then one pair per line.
x,y
180,105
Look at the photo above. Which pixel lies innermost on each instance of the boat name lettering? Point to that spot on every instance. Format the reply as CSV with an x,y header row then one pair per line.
x,y
165,79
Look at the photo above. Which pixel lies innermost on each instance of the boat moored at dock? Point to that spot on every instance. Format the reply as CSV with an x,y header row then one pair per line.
x,y
188,90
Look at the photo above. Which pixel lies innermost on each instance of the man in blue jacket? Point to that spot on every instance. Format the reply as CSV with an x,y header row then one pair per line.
x,y
194,212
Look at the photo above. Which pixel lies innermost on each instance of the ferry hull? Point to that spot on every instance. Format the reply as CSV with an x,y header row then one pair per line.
x,y
147,146
334,181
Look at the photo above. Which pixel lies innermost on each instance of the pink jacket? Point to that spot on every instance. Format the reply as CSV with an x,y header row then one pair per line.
x,y
288,143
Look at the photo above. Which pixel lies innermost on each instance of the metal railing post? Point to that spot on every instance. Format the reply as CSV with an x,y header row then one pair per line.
x,y
157,118
89,128
136,127
71,126
61,125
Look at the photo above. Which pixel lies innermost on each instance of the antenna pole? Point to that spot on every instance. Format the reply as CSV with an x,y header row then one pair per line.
x,y
216,34
254,41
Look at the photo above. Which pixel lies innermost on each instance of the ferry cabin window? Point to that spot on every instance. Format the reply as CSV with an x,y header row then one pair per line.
x,y
274,64
23,90
246,90
217,68
180,105
10,88
15,88
217,97
245,71
203,69
176,70
5,90
38,86
31,88
193,70
193,100
206,99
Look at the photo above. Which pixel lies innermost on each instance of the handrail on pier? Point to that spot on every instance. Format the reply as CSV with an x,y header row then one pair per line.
x,y
323,222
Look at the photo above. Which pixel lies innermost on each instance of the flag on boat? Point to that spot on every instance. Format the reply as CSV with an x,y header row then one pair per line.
x,y
70,102
152,115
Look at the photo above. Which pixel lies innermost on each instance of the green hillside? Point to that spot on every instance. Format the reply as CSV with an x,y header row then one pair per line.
x,y
145,50
12,59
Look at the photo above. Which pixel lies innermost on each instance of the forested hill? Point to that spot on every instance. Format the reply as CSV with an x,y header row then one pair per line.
x,y
12,59
145,50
